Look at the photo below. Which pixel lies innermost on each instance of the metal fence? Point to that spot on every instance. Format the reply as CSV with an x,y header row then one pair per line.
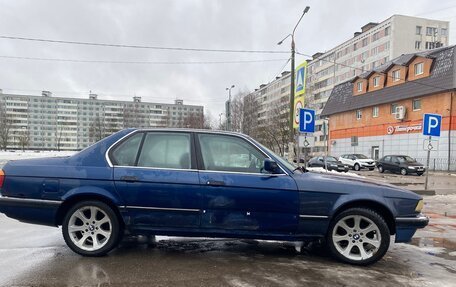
x,y
440,164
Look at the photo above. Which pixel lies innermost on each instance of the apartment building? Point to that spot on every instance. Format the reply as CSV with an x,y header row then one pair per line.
x,y
380,112
266,112
374,45
48,122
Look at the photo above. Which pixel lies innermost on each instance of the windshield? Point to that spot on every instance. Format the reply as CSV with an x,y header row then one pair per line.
x,y
331,158
360,156
405,159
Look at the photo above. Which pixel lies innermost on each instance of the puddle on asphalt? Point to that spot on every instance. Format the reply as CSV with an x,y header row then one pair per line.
x,y
440,247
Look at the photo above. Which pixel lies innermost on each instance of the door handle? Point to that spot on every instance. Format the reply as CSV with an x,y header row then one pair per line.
x,y
215,183
129,178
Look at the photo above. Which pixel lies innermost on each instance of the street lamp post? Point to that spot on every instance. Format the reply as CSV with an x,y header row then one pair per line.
x,y
228,109
292,88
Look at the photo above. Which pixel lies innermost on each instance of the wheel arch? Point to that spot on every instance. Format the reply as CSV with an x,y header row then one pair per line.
x,y
376,206
75,198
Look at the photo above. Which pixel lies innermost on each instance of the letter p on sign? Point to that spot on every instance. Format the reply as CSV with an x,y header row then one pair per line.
x,y
432,124
306,121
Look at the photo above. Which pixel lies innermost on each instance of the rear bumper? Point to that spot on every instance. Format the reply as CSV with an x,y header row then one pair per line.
x,y
38,211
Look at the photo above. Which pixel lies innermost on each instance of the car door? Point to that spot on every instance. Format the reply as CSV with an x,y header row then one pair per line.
x,y
155,173
387,163
395,164
237,194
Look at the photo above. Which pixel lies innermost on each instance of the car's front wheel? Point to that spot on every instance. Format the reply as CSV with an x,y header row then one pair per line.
x,y
357,167
91,228
380,169
358,236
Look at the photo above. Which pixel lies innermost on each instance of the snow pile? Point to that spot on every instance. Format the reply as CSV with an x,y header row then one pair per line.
x,y
322,170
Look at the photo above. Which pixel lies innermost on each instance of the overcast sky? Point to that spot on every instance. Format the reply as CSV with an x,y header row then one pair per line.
x,y
210,24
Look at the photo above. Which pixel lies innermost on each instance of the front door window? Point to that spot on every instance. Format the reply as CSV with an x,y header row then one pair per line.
x,y
232,154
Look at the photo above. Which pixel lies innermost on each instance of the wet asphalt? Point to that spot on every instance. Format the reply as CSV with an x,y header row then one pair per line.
x,y
33,255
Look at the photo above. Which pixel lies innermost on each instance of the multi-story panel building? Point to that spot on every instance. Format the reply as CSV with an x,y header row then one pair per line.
x,y
47,122
376,44
266,113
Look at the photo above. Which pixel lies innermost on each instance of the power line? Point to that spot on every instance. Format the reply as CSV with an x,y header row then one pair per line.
x,y
142,46
362,70
140,62
281,70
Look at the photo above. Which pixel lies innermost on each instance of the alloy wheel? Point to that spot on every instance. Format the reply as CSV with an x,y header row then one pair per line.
x,y
356,237
90,228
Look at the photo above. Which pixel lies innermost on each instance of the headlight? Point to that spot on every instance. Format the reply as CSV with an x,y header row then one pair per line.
x,y
411,167
419,206
333,165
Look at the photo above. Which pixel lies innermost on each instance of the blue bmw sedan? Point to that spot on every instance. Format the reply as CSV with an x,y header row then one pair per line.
x,y
204,183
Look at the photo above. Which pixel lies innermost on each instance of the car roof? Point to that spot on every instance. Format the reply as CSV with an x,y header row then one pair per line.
x,y
191,130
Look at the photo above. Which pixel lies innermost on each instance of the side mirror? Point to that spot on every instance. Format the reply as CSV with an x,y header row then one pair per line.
x,y
271,166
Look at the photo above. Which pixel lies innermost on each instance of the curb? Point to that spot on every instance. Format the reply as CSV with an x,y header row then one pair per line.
x,y
423,191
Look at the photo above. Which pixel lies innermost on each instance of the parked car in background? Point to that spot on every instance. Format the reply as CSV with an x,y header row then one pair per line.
x,y
331,162
183,182
357,161
400,163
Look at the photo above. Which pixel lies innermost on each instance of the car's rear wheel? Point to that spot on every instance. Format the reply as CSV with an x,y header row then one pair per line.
x,y
358,236
357,167
380,169
403,171
91,228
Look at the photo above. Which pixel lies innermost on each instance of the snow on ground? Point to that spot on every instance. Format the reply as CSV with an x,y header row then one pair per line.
x,y
15,155
322,170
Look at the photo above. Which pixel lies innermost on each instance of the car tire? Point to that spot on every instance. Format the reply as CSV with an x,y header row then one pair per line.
x,y
357,167
419,173
403,171
371,169
91,228
346,245
380,169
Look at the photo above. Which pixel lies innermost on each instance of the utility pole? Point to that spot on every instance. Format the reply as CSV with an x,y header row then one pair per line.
x,y
292,87
228,109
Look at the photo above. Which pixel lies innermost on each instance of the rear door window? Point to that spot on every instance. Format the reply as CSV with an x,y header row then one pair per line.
x,y
166,150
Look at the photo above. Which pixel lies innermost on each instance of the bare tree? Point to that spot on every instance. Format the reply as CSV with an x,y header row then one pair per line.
x,y
5,126
249,115
24,138
275,134
97,129
58,136
193,120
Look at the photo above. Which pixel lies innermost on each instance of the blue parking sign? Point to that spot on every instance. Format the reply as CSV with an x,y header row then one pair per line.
x,y
432,124
306,121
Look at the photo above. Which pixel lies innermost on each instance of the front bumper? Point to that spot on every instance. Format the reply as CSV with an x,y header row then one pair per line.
x,y
419,221
38,211
407,226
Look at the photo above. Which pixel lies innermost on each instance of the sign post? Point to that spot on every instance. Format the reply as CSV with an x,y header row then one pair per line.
x,y
431,127
306,126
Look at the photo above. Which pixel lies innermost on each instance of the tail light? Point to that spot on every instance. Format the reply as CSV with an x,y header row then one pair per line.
x,y
2,178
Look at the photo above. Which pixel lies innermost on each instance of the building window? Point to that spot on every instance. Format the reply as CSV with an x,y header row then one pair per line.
x,y
375,37
443,32
418,69
376,81
393,108
387,31
430,45
417,45
396,75
355,46
359,114
359,86
375,112
416,104
430,31
418,30
364,42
